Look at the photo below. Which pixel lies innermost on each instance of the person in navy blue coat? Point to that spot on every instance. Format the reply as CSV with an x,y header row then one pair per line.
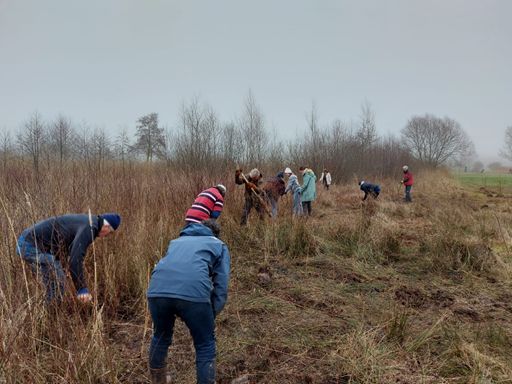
x,y
369,189
44,245
189,282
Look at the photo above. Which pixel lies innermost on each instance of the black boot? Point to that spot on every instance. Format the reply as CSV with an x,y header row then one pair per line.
x,y
159,375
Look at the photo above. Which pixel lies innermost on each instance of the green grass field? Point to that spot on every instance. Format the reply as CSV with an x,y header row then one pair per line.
x,y
488,180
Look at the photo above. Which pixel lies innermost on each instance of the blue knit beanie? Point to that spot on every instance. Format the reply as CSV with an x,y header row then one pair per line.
x,y
113,219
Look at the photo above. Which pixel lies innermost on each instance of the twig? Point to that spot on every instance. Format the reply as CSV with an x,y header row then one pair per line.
x,y
11,226
95,293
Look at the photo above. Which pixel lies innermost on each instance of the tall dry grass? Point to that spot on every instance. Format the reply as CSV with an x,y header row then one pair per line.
x,y
381,292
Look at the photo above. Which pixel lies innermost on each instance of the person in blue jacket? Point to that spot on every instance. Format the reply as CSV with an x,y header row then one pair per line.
x,y
45,244
369,189
189,282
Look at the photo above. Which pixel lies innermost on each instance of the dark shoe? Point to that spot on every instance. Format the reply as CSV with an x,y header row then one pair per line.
x,y
159,376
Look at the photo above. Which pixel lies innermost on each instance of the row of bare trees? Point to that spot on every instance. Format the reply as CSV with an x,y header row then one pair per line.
x,y
201,140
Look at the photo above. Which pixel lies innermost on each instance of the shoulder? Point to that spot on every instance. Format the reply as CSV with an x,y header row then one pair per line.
x,y
213,244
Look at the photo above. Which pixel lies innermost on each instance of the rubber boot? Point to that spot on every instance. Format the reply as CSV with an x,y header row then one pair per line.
x,y
159,376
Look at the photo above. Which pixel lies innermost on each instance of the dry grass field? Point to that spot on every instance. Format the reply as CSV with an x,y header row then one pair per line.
x,y
382,292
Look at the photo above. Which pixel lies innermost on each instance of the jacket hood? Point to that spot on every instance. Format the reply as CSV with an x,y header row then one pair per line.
x,y
196,229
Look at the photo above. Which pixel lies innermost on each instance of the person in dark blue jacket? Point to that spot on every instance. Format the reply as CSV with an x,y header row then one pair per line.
x,y
369,189
45,244
190,282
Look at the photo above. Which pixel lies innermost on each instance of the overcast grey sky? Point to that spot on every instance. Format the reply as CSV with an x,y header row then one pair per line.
x,y
110,61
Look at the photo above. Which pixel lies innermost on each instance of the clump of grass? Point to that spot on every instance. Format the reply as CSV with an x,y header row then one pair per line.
x,y
398,327
294,239
449,254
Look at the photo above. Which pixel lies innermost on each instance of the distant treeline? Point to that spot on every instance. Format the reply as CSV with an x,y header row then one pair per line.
x,y
201,142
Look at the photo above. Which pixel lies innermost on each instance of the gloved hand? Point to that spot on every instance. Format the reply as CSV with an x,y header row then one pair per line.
x,y
83,295
238,172
252,186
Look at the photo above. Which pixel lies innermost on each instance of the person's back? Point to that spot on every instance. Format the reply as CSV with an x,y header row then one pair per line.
x,y
208,204
57,234
275,186
369,189
190,282
309,186
308,189
186,270
293,184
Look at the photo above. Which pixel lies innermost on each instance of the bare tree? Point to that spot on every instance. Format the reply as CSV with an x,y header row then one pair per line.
x,y
198,140
32,139
100,147
61,138
506,151
367,132
275,156
232,145
170,145
253,130
150,137
6,147
83,150
434,141
122,146
314,139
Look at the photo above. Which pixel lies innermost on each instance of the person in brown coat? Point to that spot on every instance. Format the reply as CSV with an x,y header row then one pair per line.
x,y
253,193
274,188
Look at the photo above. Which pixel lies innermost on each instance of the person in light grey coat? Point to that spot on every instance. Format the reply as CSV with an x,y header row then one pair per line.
x,y
293,186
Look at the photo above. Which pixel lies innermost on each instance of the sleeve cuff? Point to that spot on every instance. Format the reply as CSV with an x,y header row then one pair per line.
x,y
82,291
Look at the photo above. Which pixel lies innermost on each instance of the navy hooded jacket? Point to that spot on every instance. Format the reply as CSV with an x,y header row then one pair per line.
x,y
66,236
195,268
370,188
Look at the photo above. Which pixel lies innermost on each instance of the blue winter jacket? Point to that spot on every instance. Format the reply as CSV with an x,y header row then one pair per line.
x,y
66,236
195,268
370,188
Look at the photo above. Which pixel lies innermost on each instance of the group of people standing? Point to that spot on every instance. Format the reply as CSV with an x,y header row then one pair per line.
x,y
259,194
191,280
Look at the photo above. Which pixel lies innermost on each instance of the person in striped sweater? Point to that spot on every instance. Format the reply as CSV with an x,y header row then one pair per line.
x,y
207,205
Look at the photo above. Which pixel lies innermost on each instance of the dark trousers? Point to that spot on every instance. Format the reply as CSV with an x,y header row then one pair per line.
x,y
250,203
306,207
408,193
199,319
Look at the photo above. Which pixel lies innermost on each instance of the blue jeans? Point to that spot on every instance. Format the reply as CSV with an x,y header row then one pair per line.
x,y
199,319
408,193
273,204
297,204
44,265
